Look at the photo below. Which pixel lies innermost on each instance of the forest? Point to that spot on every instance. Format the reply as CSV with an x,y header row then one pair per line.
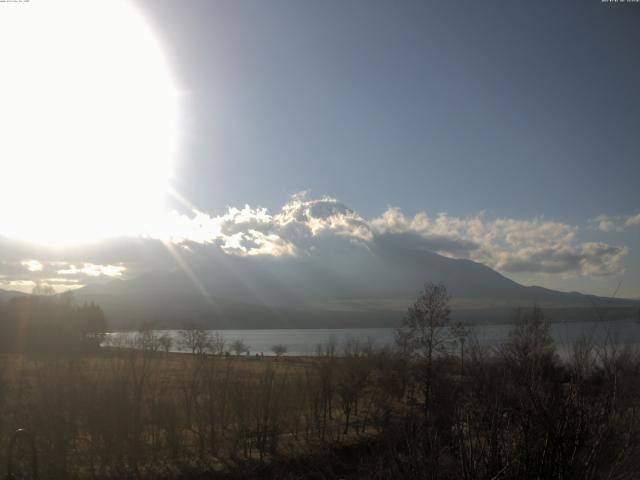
x,y
40,323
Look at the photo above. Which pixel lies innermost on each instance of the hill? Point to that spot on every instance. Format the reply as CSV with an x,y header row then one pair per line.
x,y
8,294
262,293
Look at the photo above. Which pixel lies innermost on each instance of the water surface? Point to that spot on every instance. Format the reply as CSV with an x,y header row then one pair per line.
x,y
305,341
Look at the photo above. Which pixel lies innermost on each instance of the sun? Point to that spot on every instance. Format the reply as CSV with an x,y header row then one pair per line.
x,y
88,121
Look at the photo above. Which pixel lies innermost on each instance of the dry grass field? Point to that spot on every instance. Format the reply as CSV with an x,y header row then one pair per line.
x,y
124,412
513,412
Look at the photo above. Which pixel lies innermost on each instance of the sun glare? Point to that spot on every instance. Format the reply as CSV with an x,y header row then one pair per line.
x,y
88,121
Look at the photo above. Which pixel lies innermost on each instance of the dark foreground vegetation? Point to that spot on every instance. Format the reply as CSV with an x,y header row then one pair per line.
x,y
415,411
50,324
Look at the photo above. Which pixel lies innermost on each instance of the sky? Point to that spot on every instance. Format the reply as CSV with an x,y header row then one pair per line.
x,y
507,127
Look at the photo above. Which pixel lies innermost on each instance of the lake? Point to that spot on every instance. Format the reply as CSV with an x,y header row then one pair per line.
x,y
304,342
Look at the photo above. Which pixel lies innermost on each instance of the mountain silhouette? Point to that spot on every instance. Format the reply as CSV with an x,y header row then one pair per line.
x,y
346,288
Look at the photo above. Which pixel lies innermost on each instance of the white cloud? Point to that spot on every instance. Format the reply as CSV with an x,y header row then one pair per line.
x,y
316,229
254,242
32,265
59,274
606,223
316,217
58,285
254,231
633,221
508,245
93,270
20,284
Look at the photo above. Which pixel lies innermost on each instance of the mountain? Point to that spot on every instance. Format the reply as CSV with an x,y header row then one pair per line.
x,y
350,288
9,294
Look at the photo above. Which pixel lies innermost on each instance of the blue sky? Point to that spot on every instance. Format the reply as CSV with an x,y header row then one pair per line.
x,y
522,109
519,109
503,132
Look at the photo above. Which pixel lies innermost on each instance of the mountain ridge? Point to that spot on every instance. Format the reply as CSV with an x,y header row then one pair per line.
x,y
265,294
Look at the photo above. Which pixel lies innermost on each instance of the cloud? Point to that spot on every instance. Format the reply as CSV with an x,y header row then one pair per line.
x,y
304,226
61,275
508,245
93,270
32,265
253,231
633,221
254,242
589,259
325,215
606,223
320,231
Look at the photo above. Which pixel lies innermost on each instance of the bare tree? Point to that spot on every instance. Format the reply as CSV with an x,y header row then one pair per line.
x,y
166,342
460,332
530,341
424,330
352,376
328,349
146,339
238,347
279,350
195,339
217,343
